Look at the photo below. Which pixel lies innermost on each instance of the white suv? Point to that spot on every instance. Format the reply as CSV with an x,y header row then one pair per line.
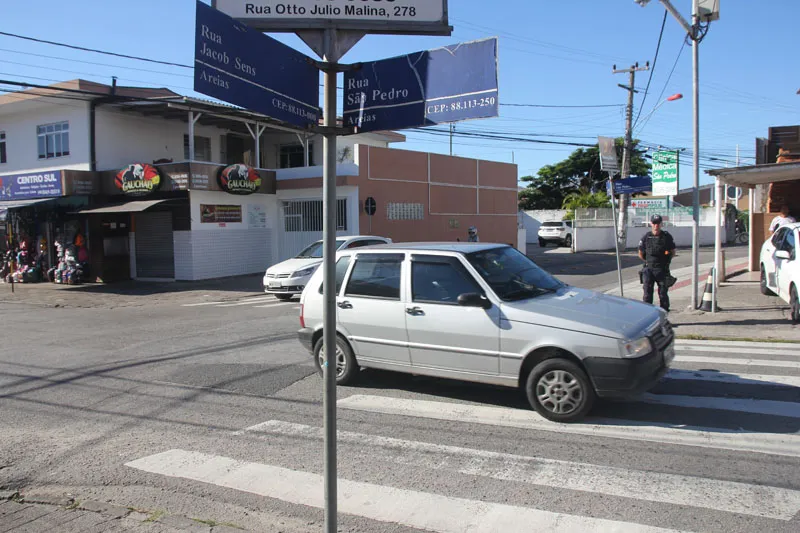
x,y
487,313
556,232
289,278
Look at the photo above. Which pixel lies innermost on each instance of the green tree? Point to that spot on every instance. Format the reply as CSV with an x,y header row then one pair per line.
x,y
580,171
584,199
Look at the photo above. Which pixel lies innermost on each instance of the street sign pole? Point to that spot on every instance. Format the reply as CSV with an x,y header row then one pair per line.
x,y
616,240
329,278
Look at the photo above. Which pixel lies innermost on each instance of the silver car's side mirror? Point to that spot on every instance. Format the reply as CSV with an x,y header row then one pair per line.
x,y
783,254
473,299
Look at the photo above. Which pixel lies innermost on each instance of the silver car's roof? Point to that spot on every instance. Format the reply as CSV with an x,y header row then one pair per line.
x,y
457,247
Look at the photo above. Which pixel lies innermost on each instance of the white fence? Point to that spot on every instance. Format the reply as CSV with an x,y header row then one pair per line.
x,y
590,239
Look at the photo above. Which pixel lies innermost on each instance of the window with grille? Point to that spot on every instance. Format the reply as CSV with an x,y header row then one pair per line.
x,y
3,158
202,148
306,215
53,140
291,156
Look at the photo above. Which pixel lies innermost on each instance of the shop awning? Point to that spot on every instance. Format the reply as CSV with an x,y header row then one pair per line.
x,y
13,204
135,206
758,174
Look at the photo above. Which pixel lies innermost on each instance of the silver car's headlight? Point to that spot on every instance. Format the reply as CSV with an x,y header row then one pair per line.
x,y
635,348
305,272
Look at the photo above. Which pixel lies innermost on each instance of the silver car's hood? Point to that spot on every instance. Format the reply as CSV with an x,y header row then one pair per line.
x,y
576,309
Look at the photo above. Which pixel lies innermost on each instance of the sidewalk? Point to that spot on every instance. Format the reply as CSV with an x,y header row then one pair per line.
x,y
46,514
132,293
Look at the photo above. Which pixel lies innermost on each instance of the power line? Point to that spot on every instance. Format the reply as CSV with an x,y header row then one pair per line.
x,y
562,106
653,69
93,50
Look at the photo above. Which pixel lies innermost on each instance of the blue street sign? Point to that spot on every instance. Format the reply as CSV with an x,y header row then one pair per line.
x,y
249,69
448,84
631,185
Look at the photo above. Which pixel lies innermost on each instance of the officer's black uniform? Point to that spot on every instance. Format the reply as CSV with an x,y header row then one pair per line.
x,y
657,251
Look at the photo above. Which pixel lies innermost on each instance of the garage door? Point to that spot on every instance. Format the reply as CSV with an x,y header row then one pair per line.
x,y
155,251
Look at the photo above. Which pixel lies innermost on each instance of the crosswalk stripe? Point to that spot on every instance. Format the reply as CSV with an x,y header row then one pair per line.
x,y
737,362
277,304
768,502
775,346
421,510
767,443
681,348
250,301
727,377
741,405
202,304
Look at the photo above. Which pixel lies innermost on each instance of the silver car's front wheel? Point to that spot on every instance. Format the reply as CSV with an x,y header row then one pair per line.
x,y
560,390
346,366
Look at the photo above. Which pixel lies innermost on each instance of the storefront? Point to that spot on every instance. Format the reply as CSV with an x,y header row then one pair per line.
x,y
181,221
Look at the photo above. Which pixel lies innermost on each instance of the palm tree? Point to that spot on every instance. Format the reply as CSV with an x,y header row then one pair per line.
x,y
584,199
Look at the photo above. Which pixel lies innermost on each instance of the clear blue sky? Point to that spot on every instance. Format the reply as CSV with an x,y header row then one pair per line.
x,y
551,53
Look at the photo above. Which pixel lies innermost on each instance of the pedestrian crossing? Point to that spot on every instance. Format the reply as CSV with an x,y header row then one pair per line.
x,y
440,462
258,302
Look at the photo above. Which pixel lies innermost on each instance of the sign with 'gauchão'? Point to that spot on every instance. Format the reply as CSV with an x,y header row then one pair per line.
x,y
138,179
239,179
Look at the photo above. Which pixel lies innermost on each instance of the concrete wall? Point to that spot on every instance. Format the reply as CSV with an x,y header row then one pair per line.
x,y
602,239
214,251
533,220
124,138
21,139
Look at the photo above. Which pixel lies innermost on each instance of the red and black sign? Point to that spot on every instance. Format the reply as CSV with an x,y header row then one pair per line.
x,y
239,179
138,179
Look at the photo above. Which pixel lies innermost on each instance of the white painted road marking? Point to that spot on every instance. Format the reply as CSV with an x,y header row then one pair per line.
x,y
251,301
741,405
744,350
737,362
747,346
738,379
755,500
201,304
421,510
745,441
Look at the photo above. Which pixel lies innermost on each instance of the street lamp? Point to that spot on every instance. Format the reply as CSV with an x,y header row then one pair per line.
x,y
707,10
676,96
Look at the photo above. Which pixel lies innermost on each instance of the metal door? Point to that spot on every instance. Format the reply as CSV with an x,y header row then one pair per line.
x,y
155,249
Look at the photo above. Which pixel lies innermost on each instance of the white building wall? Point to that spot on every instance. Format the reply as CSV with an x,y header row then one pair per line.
x,y
233,249
124,138
21,139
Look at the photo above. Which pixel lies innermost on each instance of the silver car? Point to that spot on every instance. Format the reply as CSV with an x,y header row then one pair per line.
x,y
487,313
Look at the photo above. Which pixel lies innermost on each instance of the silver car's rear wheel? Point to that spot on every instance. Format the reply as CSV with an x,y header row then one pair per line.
x,y
346,366
560,390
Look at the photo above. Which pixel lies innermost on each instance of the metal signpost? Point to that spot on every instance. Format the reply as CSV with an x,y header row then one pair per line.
x,y
610,164
330,28
445,85
370,208
665,173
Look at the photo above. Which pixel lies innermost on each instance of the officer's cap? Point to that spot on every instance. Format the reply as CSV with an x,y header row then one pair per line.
x,y
656,219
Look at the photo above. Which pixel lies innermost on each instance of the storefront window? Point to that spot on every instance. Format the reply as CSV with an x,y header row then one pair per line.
x,y
3,147
53,140
291,156
202,148
306,215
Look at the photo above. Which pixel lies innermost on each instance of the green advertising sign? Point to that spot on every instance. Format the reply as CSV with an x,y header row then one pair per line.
x,y
665,174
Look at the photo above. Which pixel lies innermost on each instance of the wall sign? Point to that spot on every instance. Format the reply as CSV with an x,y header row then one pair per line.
x,y
239,179
32,185
220,214
138,179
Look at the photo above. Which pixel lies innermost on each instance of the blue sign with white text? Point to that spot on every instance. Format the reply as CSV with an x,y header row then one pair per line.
x,y
631,185
448,84
246,68
32,185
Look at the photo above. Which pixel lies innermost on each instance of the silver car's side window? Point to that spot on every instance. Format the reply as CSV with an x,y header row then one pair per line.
x,y
440,280
341,269
376,276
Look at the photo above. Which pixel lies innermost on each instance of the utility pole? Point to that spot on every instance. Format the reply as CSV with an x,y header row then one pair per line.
x,y
624,199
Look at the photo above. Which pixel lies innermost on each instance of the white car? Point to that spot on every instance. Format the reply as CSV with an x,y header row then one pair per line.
x,y
289,278
559,233
486,313
780,269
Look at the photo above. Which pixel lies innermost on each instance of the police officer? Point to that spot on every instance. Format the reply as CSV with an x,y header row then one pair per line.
x,y
656,249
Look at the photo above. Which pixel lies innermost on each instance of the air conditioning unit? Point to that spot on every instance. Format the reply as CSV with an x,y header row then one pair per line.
x,y
708,10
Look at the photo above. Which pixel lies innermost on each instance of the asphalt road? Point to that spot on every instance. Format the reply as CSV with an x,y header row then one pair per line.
x,y
214,411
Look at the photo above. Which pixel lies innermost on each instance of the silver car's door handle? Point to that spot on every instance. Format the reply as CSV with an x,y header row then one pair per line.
x,y
414,311
345,305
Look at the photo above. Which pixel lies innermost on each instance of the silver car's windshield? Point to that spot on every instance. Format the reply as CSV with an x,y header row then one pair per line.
x,y
511,275
315,250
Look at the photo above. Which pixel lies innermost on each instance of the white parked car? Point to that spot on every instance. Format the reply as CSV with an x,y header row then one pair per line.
x,y
780,269
289,278
487,313
559,233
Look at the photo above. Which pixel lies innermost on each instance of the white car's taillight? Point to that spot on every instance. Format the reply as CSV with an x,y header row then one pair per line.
x,y
302,319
